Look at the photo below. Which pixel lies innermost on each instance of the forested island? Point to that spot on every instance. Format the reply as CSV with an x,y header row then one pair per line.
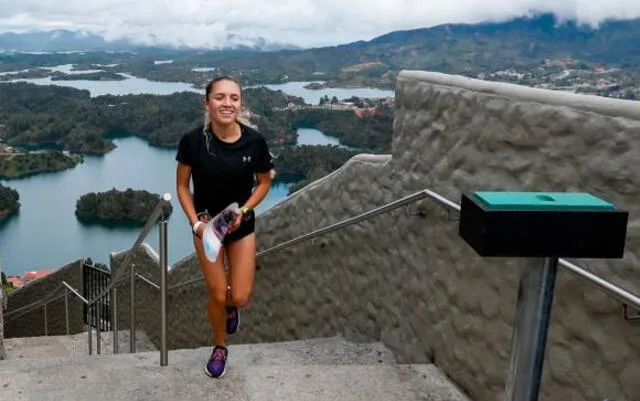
x,y
130,206
9,202
22,164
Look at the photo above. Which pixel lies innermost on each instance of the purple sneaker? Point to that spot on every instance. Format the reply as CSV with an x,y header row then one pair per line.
x,y
216,367
233,319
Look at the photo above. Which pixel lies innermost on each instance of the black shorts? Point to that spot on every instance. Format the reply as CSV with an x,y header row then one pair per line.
x,y
247,226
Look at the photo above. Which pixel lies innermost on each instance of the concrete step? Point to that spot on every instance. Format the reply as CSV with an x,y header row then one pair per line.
x,y
73,345
321,369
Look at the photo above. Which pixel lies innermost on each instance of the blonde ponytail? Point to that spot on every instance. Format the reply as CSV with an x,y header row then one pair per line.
x,y
244,119
207,122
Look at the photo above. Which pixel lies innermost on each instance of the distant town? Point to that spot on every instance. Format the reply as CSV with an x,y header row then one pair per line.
x,y
574,76
360,106
15,282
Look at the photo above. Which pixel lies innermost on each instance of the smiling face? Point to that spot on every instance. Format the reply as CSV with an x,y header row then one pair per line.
x,y
224,102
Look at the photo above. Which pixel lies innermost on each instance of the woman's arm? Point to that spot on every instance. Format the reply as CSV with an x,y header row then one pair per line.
x,y
262,188
183,176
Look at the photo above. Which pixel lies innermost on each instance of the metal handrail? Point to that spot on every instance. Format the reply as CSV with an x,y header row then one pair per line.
x,y
36,304
48,298
425,193
34,307
622,295
146,280
66,288
76,293
364,216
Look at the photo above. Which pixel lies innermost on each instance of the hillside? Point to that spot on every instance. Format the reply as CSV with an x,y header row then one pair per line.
x,y
493,46
451,48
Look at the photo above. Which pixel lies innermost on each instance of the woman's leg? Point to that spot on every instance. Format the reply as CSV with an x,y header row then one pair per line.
x,y
215,278
242,264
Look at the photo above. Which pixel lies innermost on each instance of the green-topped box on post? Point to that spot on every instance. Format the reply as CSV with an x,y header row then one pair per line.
x,y
542,224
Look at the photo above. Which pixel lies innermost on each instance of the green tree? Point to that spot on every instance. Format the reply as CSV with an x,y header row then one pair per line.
x,y
5,283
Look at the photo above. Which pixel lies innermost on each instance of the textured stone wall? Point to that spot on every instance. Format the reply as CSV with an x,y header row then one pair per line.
x,y
408,279
31,324
478,135
145,263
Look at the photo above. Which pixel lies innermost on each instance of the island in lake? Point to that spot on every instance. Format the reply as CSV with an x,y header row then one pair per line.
x,y
18,164
129,207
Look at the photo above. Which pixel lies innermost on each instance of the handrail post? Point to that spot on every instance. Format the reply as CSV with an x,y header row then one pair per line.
x,y
531,326
46,325
114,318
66,309
98,317
89,329
132,311
163,293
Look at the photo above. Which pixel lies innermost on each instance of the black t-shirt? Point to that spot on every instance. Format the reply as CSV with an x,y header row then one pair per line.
x,y
224,173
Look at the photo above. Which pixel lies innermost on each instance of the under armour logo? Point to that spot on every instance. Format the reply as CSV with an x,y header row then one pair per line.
x,y
246,159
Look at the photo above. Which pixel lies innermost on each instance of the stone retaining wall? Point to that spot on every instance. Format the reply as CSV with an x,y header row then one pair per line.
x,y
32,324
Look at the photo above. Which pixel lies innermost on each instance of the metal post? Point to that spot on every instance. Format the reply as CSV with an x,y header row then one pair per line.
x,y
114,318
46,326
98,318
163,293
89,329
66,309
531,326
132,311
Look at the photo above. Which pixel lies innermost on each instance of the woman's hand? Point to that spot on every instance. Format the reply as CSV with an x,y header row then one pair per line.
x,y
200,230
236,222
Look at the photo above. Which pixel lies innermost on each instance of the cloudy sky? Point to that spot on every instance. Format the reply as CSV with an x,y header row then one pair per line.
x,y
301,22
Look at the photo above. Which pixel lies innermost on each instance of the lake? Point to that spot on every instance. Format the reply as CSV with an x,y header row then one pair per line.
x,y
313,96
46,234
134,85
311,136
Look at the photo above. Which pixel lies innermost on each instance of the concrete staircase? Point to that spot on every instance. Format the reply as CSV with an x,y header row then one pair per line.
x,y
71,346
58,368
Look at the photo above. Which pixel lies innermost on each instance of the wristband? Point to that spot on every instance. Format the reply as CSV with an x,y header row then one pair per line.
x,y
195,226
245,210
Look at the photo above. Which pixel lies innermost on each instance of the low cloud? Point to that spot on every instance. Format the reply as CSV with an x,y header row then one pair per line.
x,y
304,22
